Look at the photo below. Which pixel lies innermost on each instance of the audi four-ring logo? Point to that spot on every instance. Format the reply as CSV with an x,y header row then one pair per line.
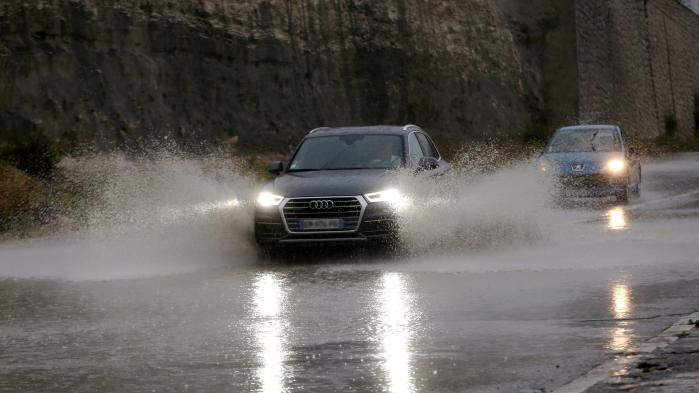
x,y
321,204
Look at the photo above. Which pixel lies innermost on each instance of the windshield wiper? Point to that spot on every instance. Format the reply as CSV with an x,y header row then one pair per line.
x,y
592,142
334,169
345,169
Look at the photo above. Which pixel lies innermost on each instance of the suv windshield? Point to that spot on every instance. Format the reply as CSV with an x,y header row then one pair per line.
x,y
584,140
353,151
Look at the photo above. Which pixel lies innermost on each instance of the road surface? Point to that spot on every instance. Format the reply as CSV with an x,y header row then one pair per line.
x,y
522,317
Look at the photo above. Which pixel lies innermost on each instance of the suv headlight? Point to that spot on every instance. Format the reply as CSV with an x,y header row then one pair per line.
x,y
615,166
266,199
391,196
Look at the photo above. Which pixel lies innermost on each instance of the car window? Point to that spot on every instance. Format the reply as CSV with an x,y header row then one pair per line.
x,y
416,152
584,140
353,151
427,146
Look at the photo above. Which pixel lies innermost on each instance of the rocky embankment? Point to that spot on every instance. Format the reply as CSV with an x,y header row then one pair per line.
x,y
113,72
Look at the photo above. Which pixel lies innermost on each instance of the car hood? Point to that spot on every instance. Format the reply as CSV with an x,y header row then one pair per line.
x,y
591,162
332,183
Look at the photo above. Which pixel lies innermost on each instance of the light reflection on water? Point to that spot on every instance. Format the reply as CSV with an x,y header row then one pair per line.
x,y
621,298
616,219
621,338
621,308
395,323
269,298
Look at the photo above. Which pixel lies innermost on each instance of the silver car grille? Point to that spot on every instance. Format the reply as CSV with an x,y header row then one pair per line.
x,y
349,209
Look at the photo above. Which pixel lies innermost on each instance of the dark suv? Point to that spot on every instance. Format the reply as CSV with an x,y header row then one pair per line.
x,y
341,186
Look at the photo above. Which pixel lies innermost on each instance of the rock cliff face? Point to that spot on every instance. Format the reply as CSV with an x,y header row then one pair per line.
x,y
639,65
110,72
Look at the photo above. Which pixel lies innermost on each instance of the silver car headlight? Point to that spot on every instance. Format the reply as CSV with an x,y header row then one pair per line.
x,y
267,199
615,166
391,196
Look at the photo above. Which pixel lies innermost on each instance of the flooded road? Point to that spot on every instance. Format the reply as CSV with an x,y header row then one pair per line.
x,y
514,318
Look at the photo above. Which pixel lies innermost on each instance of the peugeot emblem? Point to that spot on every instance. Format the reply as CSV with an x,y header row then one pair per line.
x,y
321,204
578,167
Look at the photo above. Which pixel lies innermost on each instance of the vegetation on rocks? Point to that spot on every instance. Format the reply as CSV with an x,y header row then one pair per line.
x,y
19,199
537,134
33,152
666,144
43,191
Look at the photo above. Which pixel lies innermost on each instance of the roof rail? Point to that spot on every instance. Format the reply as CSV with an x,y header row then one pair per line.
x,y
407,126
318,129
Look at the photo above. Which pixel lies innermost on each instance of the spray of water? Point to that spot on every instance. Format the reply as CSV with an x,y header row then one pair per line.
x,y
161,215
172,214
469,208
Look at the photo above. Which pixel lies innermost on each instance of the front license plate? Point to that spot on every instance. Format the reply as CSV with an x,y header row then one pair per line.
x,y
321,224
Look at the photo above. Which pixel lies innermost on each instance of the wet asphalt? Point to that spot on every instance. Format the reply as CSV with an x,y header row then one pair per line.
x,y
525,318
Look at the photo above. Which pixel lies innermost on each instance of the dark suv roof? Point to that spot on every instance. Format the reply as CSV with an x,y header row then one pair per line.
x,y
590,127
391,130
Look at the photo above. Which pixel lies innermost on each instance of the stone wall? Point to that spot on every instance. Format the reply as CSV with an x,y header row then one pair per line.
x,y
544,36
115,72
675,42
638,65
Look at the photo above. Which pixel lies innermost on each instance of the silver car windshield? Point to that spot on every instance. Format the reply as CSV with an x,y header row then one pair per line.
x,y
353,151
584,140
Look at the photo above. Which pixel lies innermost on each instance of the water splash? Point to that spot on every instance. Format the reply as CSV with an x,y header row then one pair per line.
x,y
146,216
172,214
477,209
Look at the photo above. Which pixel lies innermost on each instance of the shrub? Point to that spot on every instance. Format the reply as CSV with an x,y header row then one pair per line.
x,y
665,144
696,115
670,124
34,153
535,133
257,167
19,200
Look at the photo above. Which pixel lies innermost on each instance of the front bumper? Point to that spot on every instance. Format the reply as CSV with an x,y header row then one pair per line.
x,y
377,223
590,185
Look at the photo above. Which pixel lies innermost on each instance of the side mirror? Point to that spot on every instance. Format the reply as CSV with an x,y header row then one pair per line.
x,y
275,167
426,164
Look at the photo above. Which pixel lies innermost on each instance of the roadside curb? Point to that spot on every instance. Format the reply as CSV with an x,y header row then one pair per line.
x,y
617,367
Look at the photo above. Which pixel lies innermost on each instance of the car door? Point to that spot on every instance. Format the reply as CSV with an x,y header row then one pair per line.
x,y
632,159
430,150
415,152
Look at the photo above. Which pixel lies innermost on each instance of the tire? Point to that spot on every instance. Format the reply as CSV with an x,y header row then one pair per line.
x,y
269,253
263,252
623,196
637,189
388,249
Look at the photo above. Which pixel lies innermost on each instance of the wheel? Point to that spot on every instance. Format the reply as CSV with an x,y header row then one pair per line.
x,y
637,189
264,252
387,250
269,253
623,196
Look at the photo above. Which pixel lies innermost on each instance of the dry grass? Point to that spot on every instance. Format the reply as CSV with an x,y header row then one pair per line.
x,y
20,200
665,145
31,206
